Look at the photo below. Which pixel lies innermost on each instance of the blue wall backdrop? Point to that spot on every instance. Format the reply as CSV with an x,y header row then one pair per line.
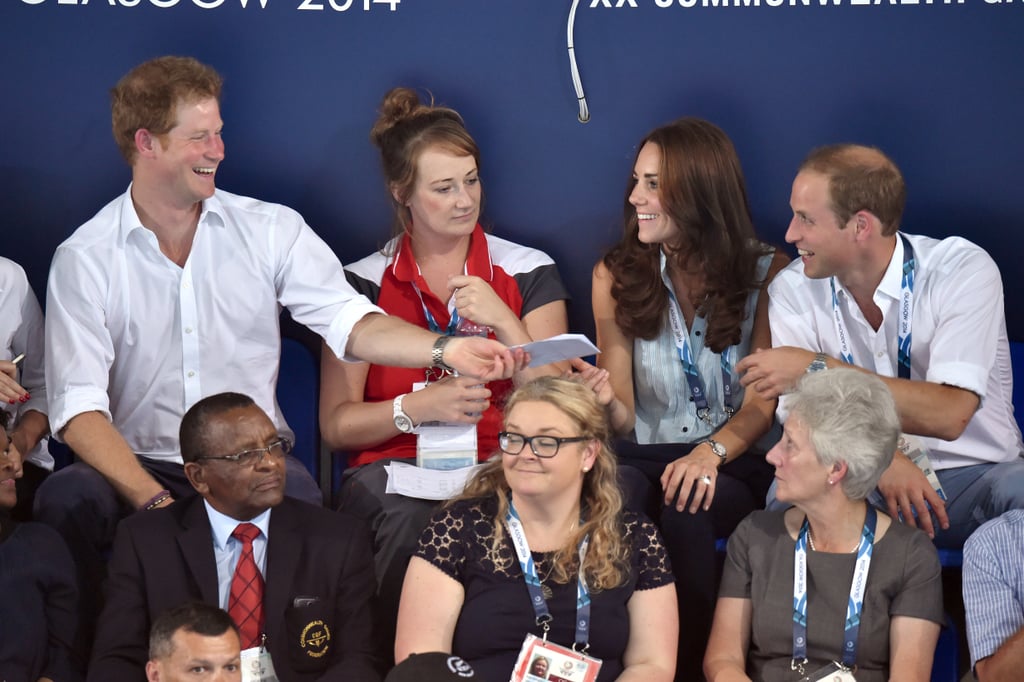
x,y
937,85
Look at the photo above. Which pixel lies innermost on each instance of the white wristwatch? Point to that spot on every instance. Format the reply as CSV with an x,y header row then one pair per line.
x,y
403,422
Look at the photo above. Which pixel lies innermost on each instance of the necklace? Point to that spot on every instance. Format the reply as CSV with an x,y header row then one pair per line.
x,y
545,589
810,542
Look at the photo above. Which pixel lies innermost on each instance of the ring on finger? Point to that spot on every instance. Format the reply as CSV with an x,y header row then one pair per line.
x,y
705,479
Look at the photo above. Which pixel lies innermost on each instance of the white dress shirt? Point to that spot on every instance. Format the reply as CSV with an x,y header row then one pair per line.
x,y
227,550
134,336
21,331
958,336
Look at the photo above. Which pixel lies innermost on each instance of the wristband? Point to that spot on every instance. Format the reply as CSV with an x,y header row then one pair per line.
x,y
157,499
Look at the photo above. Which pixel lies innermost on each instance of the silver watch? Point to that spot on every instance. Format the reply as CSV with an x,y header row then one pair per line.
x,y
817,364
403,422
437,353
718,449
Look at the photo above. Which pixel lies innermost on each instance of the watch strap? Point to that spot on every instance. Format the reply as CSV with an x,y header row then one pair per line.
x,y
818,363
718,449
437,353
403,422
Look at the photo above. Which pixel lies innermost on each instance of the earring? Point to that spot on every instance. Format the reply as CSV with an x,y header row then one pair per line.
x,y
831,482
586,469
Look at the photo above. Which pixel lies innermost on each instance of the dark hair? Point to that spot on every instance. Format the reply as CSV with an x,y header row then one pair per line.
x,y
147,96
192,433
701,189
403,130
194,616
5,419
860,179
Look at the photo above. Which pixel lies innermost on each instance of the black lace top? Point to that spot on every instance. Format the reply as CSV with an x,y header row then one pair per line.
x,y
496,614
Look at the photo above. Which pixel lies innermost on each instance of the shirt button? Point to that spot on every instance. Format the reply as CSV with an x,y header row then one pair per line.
x,y
188,330
697,333
691,398
881,354
685,429
191,374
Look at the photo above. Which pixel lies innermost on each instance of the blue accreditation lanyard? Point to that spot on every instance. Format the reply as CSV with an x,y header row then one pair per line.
x,y
533,585
855,605
905,320
698,391
453,321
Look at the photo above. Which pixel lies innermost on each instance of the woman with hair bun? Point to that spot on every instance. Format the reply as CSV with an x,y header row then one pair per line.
x,y
440,271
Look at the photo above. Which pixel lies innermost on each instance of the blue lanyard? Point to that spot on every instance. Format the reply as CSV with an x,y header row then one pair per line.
x,y
905,320
533,586
855,605
453,321
698,391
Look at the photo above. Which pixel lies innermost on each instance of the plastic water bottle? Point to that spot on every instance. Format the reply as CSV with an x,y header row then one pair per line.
x,y
468,327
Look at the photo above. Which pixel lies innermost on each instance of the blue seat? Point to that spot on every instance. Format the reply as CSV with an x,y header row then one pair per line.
x,y
946,664
298,394
951,558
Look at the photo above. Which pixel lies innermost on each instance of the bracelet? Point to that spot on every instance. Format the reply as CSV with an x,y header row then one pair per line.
x,y
157,499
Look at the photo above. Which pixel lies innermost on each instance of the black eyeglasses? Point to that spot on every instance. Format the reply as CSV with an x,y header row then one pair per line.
x,y
279,448
542,446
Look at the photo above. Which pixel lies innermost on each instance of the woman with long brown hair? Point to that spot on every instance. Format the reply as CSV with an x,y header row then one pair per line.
x,y
677,302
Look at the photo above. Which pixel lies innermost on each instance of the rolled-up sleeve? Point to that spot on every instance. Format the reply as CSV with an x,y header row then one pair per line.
x,y
963,348
311,283
79,350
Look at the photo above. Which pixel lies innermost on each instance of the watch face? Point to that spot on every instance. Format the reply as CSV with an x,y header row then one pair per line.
x,y
403,423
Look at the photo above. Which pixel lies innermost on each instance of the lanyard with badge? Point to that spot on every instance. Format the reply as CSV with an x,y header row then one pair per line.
x,y
911,446
443,445
698,391
559,663
838,671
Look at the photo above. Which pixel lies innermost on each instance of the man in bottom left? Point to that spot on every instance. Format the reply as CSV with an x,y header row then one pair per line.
x,y
296,579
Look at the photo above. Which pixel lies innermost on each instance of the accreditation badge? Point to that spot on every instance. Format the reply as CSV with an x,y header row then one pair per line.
x,y
443,445
542,661
833,672
257,666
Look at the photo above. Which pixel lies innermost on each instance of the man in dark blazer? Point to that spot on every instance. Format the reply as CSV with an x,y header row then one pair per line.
x,y
317,565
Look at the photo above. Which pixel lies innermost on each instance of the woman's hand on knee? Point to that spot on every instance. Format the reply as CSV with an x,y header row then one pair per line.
x,y
697,472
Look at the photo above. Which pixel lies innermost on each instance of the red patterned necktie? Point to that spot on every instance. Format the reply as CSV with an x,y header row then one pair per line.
x,y
245,605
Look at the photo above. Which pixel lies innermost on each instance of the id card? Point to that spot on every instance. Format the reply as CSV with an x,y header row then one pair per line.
x,y
915,449
442,445
541,661
257,666
833,672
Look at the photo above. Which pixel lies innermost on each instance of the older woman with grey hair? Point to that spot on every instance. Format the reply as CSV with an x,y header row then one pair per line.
x,y
831,588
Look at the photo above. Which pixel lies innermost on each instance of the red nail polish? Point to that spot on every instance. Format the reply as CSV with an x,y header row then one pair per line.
x,y
12,401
